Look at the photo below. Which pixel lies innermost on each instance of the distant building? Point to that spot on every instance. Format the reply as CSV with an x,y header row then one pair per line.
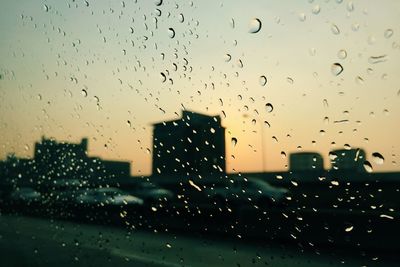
x,y
306,161
348,159
194,144
63,160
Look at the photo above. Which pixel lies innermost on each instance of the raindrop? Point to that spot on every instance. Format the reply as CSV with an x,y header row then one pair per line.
x,y
377,59
128,122
267,124
289,80
269,107
168,245
347,146
227,57
84,93
46,8
350,6
283,154
302,17
232,23
349,228
181,18
359,80
367,166
163,77
388,33
316,9
378,158
158,2
239,63
342,54
335,30
171,33
332,156
263,80
255,25
234,141
336,69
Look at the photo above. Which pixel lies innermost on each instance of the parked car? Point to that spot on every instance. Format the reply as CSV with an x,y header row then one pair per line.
x,y
25,196
151,193
107,197
253,192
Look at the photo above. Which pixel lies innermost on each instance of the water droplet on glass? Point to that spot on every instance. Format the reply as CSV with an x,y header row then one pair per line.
x,y
289,80
388,33
232,23
255,25
168,245
158,2
350,6
163,77
367,166
342,54
336,69
269,107
302,17
234,141
335,30
316,9
266,124
348,228
84,93
227,57
355,27
46,8
171,33
359,80
378,158
263,80
332,156
181,18
377,59
283,154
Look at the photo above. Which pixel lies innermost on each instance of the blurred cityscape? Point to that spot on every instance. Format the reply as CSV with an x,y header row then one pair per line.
x,y
348,204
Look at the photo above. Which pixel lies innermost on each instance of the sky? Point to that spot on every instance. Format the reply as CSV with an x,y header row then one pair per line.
x,y
108,70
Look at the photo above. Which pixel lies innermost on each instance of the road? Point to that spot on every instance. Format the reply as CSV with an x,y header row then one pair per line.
x,y
26,241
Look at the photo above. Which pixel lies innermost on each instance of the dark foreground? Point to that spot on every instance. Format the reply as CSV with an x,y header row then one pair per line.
x,y
26,241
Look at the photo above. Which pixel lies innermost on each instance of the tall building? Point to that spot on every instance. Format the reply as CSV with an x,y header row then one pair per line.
x,y
194,144
306,161
348,159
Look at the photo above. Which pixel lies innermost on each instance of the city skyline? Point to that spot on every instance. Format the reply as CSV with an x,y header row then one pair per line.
x,y
316,76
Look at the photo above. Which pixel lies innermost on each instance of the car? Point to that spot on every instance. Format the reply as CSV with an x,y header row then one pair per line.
x,y
25,196
245,192
151,193
107,197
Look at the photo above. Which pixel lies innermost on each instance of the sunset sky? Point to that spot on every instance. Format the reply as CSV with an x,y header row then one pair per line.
x,y
108,70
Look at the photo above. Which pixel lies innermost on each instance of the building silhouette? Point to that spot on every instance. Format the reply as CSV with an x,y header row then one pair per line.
x,y
57,162
194,144
306,161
